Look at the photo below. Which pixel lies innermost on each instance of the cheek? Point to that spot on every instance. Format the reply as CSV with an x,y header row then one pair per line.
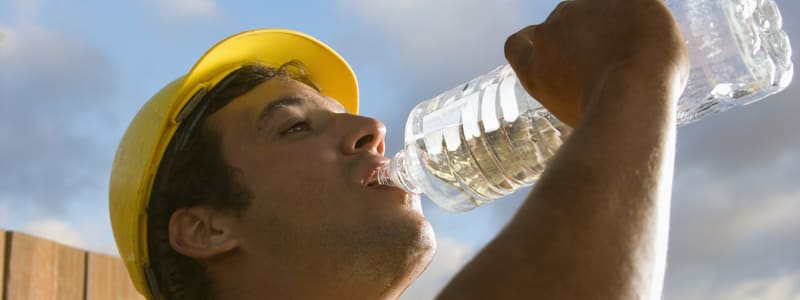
x,y
310,166
298,177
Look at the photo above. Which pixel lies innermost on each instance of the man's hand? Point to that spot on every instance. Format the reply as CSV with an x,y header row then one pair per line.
x,y
561,61
595,225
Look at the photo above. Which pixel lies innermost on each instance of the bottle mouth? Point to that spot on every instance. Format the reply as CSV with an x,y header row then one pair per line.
x,y
383,175
395,172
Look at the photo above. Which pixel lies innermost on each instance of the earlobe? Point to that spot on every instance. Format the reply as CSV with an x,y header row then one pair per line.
x,y
201,232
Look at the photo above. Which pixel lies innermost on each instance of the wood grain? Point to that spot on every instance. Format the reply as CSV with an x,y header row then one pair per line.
x,y
107,278
42,269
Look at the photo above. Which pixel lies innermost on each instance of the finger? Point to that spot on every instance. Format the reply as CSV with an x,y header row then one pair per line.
x,y
560,10
519,48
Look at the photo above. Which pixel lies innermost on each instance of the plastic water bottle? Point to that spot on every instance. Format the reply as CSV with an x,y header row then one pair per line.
x,y
488,137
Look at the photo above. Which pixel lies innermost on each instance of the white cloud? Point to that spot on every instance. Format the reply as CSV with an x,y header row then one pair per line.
x,y
769,216
779,288
55,230
451,255
734,227
90,235
3,212
56,93
33,56
721,213
438,37
26,10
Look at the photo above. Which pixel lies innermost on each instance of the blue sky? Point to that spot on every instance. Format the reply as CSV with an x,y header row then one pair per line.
x,y
72,75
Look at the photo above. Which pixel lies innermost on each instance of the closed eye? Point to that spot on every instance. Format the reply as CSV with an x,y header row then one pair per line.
x,y
297,127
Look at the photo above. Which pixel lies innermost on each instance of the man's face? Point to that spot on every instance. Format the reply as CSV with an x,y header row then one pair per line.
x,y
309,165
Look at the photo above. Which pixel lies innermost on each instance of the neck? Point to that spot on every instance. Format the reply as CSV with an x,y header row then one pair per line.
x,y
237,277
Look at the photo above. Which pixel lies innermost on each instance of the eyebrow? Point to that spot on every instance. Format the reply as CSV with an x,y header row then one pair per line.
x,y
267,113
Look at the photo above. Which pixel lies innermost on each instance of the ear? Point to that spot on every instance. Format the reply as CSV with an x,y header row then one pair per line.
x,y
201,232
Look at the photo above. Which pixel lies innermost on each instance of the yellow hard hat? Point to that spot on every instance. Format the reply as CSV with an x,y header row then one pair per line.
x,y
142,147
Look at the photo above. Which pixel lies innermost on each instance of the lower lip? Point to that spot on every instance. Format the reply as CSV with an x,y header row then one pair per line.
x,y
387,187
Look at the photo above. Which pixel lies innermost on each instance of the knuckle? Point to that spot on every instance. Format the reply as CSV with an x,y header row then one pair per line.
x,y
562,10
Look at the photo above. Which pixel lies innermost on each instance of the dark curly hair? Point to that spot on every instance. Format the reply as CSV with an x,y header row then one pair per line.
x,y
193,172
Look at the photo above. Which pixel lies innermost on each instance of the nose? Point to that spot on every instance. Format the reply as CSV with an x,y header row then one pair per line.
x,y
362,134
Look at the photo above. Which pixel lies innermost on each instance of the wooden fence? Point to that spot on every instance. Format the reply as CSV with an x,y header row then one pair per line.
x,y
34,268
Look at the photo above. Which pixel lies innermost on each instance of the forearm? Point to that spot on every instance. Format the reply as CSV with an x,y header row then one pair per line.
x,y
600,213
595,225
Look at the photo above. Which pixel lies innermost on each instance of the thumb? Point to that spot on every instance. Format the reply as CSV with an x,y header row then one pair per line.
x,y
519,48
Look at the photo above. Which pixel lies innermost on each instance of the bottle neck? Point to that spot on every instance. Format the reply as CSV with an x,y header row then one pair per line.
x,y
396,173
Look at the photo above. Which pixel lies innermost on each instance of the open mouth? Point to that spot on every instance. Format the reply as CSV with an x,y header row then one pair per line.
x,y
372,178
377,176
373,182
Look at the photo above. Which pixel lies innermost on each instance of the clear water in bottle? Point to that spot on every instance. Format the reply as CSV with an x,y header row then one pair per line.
x,y
488,137
475,143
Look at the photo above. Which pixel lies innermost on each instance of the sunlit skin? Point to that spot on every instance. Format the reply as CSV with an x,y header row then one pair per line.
x,y
594,226
316,228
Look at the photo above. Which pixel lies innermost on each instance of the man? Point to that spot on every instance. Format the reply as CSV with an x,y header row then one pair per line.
x,y
250,177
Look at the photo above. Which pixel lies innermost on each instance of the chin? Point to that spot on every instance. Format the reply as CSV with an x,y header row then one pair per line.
x,y
414,234
393,247
422,254
428,240
423,246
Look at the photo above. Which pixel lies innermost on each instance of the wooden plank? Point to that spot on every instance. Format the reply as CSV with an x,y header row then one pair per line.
x,y
42,269
107,278
2,259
